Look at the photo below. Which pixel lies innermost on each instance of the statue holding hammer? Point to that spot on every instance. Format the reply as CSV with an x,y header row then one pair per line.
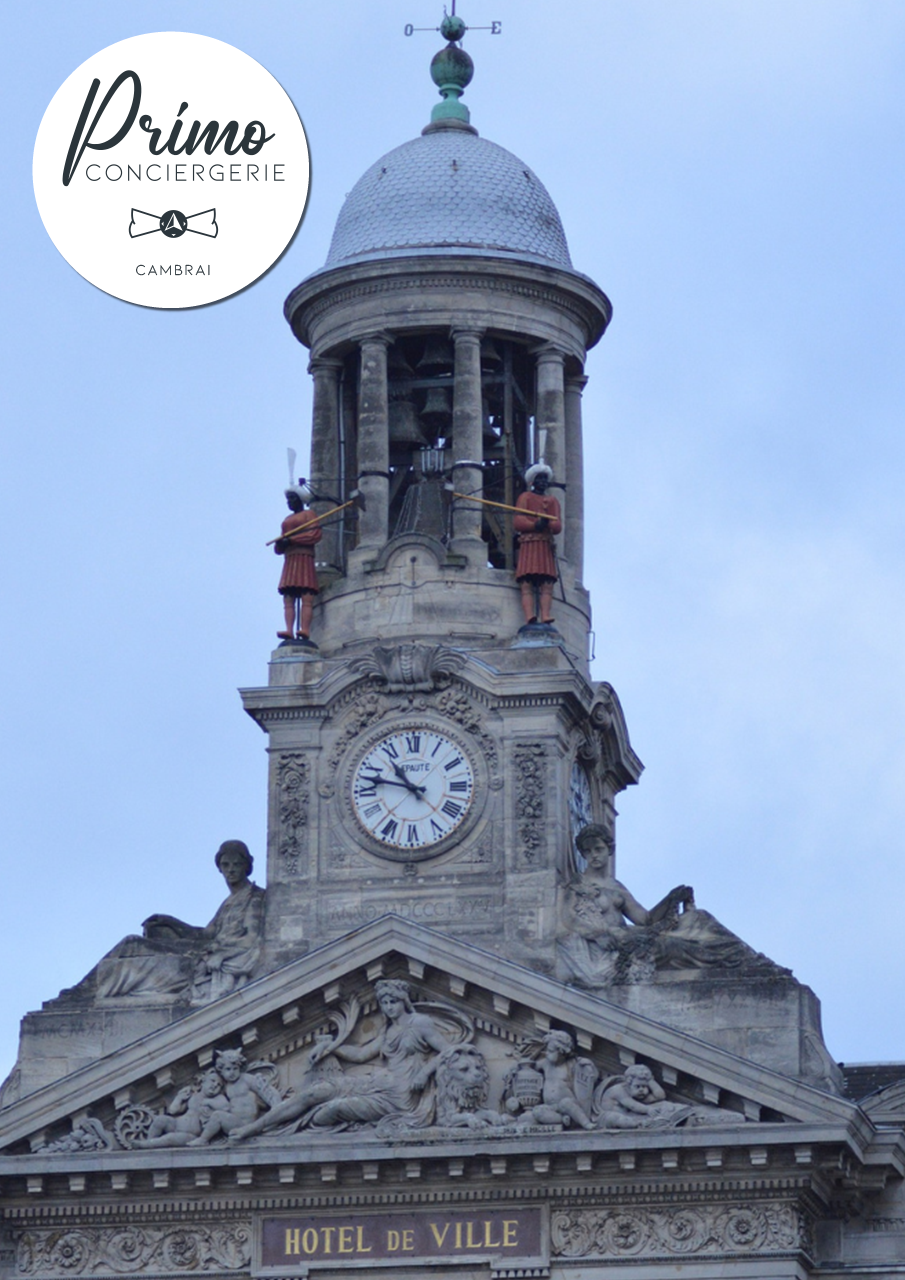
x,y
537,521
301,532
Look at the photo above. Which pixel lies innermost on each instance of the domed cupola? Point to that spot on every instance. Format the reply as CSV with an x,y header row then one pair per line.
x,y
448,192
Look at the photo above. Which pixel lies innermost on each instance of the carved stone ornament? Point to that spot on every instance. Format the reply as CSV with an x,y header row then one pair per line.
x,y
399,1069
530,760
294,795
456,706
226,1097
368,708
125,1250
88,1134
410,668
664,1232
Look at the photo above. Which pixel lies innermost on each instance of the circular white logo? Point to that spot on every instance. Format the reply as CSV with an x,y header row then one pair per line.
x,y
171,170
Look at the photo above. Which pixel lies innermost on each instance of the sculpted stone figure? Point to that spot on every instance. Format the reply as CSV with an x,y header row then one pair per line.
x,y
598,948
173,958
246,1092
463,1083
566,1083
298,583
404,1053
188,1113
536,571
636,1101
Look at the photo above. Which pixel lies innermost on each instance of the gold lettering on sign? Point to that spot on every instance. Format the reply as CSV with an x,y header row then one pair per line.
x,y
349,1240
436,1234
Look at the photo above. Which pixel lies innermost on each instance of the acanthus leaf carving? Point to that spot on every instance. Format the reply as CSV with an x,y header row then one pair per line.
x,y
699,1229
412,667
116,1251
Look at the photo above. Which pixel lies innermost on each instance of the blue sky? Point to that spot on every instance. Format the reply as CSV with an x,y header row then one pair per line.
x,y
730,172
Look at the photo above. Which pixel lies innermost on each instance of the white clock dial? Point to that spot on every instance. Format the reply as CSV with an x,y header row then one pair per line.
x,y
412,789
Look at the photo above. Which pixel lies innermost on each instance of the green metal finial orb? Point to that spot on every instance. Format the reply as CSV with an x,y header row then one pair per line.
x,y
451,71
452,27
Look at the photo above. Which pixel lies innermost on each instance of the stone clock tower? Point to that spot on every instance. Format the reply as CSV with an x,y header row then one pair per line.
x,y
444,1037
448,332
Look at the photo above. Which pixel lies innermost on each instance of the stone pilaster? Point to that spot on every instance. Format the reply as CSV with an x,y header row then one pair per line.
x,y
467,438
325,465
373,441
573,529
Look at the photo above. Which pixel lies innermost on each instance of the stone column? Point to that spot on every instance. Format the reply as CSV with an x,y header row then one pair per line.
x,y
325,466
467,440
551,411
573,529
373,441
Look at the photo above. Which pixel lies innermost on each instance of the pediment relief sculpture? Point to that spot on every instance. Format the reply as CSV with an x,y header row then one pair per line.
x,y
552,1086
394,1067
607,938
172,960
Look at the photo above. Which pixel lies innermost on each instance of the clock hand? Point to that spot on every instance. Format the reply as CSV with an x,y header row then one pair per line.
x,y
392,782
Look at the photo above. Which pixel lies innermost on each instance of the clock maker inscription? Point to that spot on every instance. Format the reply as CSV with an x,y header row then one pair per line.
x,y
357,1239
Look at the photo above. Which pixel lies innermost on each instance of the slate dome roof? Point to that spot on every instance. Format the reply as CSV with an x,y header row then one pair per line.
x,y
449,191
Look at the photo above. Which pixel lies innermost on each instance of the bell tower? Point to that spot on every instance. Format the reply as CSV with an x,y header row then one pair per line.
x,y
432,753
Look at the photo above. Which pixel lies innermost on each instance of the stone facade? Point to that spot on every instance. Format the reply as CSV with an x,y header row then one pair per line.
x,y
444,1036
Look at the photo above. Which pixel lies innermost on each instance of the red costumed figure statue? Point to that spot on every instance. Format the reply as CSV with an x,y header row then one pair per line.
x,y
301,532
536,569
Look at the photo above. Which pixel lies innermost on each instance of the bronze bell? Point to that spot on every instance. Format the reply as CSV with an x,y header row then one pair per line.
x,y
437,357
437,411
491,360
403,419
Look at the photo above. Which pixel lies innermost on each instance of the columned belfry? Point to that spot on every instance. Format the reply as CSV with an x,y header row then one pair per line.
x,y
447,359
444,1036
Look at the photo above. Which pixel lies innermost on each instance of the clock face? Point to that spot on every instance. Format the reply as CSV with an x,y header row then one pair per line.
x,y
580,806
412,790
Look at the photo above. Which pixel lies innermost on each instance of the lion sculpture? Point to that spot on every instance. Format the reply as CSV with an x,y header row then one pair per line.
x,y
463,1083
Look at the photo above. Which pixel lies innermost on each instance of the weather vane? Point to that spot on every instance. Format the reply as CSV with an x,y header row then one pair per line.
x,y
453,27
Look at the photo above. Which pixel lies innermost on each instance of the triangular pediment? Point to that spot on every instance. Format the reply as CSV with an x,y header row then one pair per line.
x,y
462,995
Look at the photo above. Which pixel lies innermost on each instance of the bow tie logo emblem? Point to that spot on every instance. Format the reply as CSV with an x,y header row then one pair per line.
x,y
173,223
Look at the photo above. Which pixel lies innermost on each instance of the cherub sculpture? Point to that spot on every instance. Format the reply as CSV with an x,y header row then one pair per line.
x,y
187,1115
566,1087
246,1089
